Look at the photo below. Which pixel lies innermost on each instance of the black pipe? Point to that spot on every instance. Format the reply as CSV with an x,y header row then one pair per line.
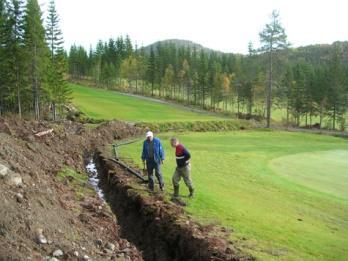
x,y
129,169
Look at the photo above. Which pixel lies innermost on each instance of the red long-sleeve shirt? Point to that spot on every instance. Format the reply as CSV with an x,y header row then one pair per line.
x,y
182,155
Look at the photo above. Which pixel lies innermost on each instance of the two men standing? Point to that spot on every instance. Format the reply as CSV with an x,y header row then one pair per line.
x,y
153,155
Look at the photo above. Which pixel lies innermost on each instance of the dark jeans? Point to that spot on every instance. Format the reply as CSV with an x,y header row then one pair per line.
x,y
152,165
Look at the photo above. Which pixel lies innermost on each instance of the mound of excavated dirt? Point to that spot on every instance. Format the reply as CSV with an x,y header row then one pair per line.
x,y
40,216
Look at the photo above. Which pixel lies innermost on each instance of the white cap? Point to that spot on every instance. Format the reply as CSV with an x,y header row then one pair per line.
x,y
149,134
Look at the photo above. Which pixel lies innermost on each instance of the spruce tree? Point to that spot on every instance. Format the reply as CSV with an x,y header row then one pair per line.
x,y
337,100
15,50
57,88
151,70
4,34
36,51
273,38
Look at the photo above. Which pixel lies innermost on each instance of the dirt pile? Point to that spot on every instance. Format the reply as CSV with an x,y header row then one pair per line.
x,y
42,217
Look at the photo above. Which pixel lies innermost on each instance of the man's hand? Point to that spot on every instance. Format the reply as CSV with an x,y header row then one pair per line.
x,y
162,161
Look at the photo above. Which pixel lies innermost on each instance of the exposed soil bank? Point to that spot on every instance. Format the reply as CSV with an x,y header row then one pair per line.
x,y
43,212
160,229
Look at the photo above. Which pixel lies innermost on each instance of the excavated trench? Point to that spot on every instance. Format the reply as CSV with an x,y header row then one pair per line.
x,y
160,230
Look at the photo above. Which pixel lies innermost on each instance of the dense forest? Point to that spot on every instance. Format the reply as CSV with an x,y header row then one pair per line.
x,y
33,62
309,85
309,82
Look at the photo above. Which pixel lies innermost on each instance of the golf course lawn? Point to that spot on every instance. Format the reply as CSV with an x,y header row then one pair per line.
x,y
103,104
285,195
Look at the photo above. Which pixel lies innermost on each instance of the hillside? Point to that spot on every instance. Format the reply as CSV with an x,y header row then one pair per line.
x,y
317,53
179,43
314,53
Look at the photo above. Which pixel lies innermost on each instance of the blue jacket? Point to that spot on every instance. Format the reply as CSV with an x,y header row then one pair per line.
x,y
158,152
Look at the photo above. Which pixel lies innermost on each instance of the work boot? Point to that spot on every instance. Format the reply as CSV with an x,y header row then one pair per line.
x,y
191,192
162,187
176,192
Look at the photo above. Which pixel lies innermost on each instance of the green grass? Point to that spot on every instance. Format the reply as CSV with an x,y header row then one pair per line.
x,y
284,194
104,104
77,181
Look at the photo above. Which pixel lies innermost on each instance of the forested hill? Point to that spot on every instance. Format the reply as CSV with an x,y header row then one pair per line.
x,y
178,43
318,53
315,54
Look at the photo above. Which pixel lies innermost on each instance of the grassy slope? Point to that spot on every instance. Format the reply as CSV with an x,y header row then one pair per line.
x,y
103,104
279,213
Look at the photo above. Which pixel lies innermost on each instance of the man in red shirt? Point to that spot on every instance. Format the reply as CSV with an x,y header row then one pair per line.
x,y
183,168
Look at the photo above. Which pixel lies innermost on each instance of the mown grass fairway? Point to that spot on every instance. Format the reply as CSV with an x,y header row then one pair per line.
x,y
284,194
103,104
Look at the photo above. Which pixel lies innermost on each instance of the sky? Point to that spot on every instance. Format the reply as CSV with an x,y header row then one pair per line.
x,y
224,25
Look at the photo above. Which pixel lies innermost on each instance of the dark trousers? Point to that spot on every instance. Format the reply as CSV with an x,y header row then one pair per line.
x,y
152,165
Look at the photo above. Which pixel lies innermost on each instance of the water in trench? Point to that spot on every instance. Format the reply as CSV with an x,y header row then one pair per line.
x,y
93,178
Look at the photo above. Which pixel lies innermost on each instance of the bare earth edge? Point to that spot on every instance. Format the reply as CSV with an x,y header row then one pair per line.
x,y
40,204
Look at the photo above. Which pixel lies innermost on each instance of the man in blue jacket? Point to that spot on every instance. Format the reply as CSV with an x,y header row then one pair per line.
x,y
153,155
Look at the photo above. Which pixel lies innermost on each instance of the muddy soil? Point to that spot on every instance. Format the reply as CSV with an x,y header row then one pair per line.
x,y
40,215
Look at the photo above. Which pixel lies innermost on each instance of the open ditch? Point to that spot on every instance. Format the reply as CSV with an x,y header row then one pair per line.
x,y
161,230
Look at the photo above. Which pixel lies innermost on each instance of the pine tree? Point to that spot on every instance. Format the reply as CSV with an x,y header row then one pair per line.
x,y
128,46
36,51
15,50
4,34
151,70
273,38
337,100
203,78
298,95
168,79
287,86
321,83
57,88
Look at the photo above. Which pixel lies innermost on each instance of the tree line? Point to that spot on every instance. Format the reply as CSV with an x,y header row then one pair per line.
x,y
309,88
309,84
33,62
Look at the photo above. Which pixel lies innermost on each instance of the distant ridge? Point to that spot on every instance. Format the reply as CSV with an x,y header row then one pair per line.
x,y
179,43
312,53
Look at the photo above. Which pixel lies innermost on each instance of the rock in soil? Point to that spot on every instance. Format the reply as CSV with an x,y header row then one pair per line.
x,y
19,197
58,253
14,179
40,238
110,246
3,170
99,242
